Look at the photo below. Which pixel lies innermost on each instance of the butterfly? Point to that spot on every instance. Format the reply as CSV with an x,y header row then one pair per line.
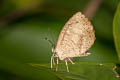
x,y
75,39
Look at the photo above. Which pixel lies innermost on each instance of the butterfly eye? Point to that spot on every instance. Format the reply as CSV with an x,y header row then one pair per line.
x,y
52,49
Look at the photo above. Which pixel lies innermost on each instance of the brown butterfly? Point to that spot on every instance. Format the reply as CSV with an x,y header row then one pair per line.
x,y
75,39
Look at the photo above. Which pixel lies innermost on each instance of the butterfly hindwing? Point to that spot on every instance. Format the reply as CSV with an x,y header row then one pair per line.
x,y
76,37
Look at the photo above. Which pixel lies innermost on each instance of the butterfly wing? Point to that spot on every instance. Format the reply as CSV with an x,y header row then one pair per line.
x,y
76,37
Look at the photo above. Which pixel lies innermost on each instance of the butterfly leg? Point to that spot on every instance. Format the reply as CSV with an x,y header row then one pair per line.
x,y
67,65
57,64
71,60
52,61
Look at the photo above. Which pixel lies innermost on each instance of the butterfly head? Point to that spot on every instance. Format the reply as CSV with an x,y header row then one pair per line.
x,y
53,49
52,45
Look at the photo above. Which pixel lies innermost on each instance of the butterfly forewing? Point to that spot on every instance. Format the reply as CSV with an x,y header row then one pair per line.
x,y
76,37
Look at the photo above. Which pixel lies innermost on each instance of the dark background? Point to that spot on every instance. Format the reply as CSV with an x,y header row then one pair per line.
x,y
25,23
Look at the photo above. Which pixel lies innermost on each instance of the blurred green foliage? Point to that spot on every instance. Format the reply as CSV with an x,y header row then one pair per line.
x,y
116,30
25,54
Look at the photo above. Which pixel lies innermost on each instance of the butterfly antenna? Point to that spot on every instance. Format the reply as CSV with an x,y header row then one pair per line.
x,y
52,35
50,42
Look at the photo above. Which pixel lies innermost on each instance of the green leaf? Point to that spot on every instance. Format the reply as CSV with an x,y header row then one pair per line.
x,y
84,71
116,30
